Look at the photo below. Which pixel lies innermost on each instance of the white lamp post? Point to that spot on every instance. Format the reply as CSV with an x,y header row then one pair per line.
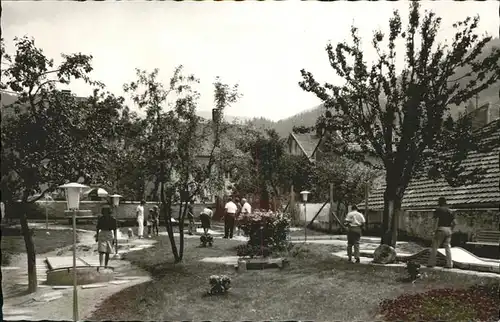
x,y
304,199
73,191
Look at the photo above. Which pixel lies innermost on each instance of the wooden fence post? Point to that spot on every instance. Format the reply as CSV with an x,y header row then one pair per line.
x,y
330,217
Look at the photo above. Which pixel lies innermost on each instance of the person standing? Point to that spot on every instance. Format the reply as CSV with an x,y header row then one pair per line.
x,y
445,222
156,220
354,222
140,218
190,216
205,217
246,209
106,235
149,222
230,211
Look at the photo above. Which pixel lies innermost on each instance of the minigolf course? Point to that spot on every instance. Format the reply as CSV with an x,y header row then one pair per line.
x,y
461,258
61,271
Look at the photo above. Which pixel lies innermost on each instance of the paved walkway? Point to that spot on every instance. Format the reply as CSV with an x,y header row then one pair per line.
x,y
18,306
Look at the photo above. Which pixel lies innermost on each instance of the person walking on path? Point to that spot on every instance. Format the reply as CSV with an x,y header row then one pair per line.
x,y
230,211
445,222
106,236
156,220
205,217
354,222
190,216
140,218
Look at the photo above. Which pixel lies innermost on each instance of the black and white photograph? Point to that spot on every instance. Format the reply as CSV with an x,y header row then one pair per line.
x,y
250,160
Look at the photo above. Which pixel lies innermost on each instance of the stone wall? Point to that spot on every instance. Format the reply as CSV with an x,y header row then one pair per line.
x,y
417,223
468,222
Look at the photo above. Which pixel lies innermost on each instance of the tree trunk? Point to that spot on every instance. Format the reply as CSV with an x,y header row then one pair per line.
x,y
392,207
182,215
30,251
166,204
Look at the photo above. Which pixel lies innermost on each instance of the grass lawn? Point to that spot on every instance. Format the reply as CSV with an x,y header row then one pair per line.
x,y
13,242
316,286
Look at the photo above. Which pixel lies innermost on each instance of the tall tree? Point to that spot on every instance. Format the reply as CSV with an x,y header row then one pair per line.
x,y
175,135
405,119
50,136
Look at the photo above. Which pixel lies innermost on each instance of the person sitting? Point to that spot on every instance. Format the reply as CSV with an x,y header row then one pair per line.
x,y
106,235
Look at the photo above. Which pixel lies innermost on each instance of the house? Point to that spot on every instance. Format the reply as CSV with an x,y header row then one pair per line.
x,y
304,144
423,192
476,205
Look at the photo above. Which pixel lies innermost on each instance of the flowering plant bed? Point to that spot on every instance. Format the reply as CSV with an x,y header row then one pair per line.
x,y
478,303
206,239
219,284
267,232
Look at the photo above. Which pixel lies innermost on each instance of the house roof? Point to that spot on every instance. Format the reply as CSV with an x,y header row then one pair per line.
x,y
424,192
307,142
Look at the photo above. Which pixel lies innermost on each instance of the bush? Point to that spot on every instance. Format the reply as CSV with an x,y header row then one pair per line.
x,y
267,232
206,239
32,210
478,303
219,284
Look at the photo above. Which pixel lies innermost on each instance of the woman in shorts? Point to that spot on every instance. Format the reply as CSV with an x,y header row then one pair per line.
x,y
106,235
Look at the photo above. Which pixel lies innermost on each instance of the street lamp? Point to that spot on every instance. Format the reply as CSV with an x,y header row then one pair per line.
x,y
304,199
73,191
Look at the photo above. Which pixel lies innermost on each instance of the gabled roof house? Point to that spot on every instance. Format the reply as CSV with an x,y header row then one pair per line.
x,y
422,192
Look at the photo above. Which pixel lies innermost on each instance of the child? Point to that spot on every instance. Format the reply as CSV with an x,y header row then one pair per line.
x,y
156,220
150,222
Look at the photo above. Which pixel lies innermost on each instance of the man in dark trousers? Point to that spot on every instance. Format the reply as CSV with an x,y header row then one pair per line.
x,y
445,222
354,221
230,211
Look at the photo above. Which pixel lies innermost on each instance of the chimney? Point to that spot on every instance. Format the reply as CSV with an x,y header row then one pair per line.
x,y
216,115
319,131
481,116
470,107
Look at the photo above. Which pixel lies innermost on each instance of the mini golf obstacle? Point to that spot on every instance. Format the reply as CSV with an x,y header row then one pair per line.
x,y
60,271
461,258
258,263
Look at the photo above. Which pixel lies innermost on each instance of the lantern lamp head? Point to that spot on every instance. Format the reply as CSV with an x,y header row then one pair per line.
x,y
73,191
304,194
115,199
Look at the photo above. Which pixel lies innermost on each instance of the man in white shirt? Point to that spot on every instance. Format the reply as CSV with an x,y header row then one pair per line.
x,y
230,211
245,207
205,217
354,222
140,218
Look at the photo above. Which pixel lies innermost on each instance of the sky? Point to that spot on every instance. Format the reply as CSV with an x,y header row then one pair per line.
x,y
262,46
